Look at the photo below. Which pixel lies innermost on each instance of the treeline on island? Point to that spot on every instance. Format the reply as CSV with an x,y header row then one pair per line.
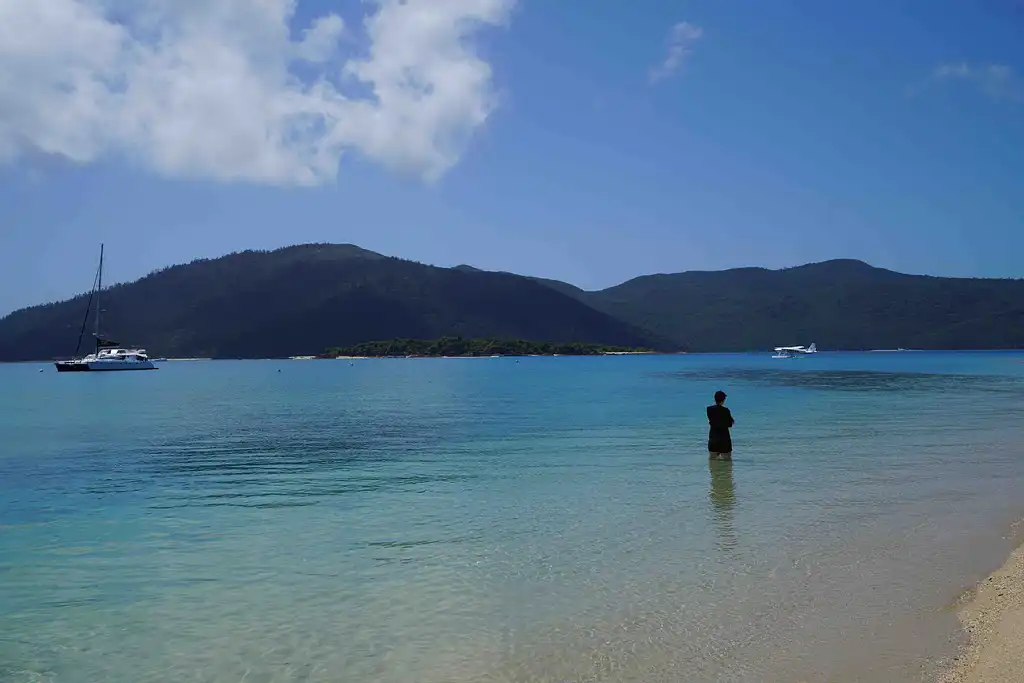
x,y
459,347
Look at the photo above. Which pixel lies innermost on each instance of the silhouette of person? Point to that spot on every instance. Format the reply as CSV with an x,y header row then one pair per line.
x,y
720,421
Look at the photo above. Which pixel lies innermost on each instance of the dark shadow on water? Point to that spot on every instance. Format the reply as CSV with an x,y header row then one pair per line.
x,y
858,380
723,499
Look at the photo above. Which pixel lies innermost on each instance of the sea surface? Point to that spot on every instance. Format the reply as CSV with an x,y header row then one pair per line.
x,y
543,520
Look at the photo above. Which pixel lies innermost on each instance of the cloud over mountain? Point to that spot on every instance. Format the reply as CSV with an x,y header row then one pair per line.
x,y
234,90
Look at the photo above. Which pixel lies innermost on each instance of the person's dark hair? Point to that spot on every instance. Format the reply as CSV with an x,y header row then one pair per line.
x,y
719,396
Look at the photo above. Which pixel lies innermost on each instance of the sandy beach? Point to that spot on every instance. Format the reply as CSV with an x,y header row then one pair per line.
x,y
993,617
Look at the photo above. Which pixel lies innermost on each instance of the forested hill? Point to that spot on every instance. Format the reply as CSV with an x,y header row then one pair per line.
x,y
306,299
841,304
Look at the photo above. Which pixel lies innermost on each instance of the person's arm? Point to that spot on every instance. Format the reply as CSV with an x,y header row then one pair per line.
x,y
732,422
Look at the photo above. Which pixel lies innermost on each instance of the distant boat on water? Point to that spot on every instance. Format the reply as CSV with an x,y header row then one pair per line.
x,y
794,351
109,354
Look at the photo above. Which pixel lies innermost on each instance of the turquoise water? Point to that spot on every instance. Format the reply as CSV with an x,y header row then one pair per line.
x,y
548,520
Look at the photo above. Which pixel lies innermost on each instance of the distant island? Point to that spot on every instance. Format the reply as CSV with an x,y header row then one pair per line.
x,y
298,301
457,347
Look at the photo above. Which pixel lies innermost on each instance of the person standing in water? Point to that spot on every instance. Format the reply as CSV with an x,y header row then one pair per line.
x,y
720,420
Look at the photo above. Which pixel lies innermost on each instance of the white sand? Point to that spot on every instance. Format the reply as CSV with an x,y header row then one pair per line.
x,y
993,616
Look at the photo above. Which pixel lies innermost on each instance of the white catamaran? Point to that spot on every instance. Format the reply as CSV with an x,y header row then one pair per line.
x,y
109,354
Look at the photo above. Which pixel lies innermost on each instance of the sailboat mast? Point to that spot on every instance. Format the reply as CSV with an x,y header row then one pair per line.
x,y
99,288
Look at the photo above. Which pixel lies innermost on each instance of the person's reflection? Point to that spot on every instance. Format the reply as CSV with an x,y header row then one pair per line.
x,y
723,499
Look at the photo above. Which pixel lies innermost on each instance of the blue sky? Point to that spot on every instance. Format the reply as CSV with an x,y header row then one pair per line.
x,y
781,132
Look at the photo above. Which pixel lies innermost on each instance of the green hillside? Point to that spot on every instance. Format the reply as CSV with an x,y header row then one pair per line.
x,y
303,300
306,299
840,304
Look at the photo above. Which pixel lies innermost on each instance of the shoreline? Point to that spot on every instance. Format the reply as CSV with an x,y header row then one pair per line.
x,y
991,616
606,353
532,355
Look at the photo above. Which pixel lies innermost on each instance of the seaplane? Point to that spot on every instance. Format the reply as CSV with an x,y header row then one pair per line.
x,y
794,351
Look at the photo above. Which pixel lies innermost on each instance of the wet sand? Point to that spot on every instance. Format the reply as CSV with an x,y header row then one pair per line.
x,y
993,617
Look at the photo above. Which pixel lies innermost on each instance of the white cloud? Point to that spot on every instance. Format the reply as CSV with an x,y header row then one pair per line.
x,y
211,88
998,81
681,38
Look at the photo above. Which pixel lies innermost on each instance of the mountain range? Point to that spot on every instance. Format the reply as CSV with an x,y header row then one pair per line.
x,y
304,299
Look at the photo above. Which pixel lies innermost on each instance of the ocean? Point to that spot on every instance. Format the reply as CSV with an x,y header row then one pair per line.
x,y
542,520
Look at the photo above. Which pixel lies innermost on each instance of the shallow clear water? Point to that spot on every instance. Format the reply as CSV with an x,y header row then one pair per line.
x,y
548,520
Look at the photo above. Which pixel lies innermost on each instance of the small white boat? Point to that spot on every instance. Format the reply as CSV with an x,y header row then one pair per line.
x,y
109,355
108,359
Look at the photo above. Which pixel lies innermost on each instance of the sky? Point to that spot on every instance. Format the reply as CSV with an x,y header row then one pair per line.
x,y
586,141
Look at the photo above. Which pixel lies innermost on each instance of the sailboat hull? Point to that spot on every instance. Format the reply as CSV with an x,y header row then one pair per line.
x,y
103,366
71,366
